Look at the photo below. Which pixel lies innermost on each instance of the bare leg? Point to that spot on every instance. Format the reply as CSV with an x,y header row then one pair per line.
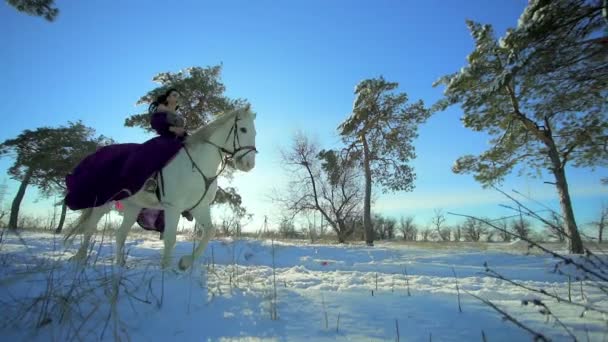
x,y
203,218
129,217
169,236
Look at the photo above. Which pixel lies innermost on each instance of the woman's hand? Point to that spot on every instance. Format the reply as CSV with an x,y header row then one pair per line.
x,y
179,131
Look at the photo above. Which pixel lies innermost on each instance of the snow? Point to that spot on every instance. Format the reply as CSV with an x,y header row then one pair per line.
x,y
228,295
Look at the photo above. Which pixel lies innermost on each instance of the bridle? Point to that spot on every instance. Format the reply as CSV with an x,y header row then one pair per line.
x,y
236,143
228,155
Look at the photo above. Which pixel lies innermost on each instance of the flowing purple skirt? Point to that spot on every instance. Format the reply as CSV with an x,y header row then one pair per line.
x,y
117,171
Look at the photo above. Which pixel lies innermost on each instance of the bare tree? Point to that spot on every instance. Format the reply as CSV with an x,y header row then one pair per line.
x,y
2,214
231,223
601,224
438,223
384,227
489,235
521,227
323,181
312,231
503,232
426,233
378,226
473,229
390,227
287,228
555,227
408,228
457,232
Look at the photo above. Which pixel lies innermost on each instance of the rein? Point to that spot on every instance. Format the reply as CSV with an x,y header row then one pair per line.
x,y
221,149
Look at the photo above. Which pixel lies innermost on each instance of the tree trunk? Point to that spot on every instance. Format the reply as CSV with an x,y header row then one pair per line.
x,y
367,222
12,223
575,244
601,224
341,232
344,231
61,218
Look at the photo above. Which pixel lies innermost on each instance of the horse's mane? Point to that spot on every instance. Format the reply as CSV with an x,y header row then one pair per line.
x,y
204,133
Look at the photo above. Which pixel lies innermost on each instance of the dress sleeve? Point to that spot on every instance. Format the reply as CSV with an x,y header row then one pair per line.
x,y
159,123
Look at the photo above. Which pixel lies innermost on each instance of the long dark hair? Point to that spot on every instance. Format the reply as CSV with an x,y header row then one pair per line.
x,y
161,99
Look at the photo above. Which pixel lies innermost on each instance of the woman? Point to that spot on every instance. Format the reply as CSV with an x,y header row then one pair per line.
x,y
168,124
170,127
118,171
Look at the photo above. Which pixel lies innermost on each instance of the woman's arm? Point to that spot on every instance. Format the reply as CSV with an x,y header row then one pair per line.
x,y
162,126
159,123
163,108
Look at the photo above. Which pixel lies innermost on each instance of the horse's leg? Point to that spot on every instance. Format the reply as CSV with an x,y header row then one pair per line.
x,y
129,217
169,236
90,227
202,214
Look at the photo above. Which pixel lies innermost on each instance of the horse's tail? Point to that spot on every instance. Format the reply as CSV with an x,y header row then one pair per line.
x,y
79,226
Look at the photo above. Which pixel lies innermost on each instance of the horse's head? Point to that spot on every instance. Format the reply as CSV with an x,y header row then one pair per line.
x,y
243,139
233,133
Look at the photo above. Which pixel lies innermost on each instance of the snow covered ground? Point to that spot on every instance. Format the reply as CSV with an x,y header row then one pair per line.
x,y
323,293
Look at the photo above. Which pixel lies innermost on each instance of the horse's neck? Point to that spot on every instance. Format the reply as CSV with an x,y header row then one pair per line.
x,y
207,155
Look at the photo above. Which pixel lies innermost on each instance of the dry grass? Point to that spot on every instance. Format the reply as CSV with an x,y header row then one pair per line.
x,y
47,295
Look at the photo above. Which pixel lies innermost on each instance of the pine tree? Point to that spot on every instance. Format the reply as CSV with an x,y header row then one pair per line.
x,y
540,92
40,8
382,128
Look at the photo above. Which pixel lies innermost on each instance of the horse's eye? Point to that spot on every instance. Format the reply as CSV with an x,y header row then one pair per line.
x,y
243,130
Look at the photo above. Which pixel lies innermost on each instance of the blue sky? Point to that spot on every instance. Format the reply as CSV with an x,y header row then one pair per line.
x,y
297,62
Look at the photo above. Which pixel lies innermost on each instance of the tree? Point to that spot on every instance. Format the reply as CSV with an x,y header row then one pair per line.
x,y
601,223
384,227
521,228
43,157
458,233
231,223
408,228
555,227
489,235
382,128
425,234
540,94
202,98
78,141
473,229
287,228
503,231
323,181
442,231
40,8
389,227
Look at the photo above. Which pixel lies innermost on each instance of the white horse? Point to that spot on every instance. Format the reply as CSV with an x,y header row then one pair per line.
x,y
189,184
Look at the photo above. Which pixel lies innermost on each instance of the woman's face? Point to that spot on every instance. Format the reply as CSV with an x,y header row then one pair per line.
x,y
173,98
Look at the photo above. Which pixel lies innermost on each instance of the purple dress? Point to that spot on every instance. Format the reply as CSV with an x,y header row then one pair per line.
x,y
118,171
